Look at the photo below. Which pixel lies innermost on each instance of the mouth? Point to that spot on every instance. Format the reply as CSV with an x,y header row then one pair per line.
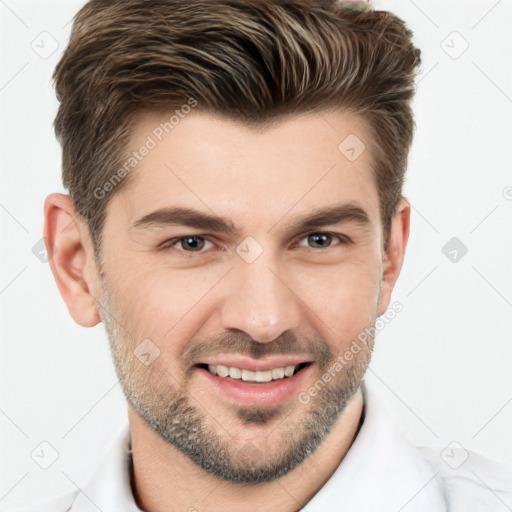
x,y
270,384
254,376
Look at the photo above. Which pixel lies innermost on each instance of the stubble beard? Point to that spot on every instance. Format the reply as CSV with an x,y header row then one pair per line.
x,y
180,419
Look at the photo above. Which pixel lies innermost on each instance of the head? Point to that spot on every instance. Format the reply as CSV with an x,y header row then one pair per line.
x,y
235,174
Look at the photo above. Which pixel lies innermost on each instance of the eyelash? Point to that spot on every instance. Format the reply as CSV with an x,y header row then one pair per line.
x,y
168,245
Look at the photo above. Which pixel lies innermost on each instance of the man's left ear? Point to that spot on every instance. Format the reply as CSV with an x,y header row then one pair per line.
x,y
394,255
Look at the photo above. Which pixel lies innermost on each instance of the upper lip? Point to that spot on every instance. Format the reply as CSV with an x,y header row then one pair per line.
x,y
248,363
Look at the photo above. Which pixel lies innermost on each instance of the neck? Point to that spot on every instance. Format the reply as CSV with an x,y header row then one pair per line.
x,y
166,480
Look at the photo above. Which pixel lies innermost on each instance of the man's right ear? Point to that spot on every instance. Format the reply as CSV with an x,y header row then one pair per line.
x,y
71,258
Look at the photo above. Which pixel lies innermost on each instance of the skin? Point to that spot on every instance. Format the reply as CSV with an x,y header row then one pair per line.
x,y
262,181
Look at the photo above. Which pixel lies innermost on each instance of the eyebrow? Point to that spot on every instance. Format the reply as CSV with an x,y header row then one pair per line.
x,y
179,216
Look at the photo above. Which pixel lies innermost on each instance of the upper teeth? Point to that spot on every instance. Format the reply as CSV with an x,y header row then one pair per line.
x,y
250,375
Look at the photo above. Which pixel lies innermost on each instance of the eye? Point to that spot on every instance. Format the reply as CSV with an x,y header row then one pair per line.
x,y
320,240
190,243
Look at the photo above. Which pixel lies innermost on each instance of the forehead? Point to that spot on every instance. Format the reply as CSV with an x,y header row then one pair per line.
x,y
211,163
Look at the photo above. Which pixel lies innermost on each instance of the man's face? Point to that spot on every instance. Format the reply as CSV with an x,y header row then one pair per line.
x,y
263,288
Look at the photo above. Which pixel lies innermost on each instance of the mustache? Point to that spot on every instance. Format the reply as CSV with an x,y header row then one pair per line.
x,y
241,343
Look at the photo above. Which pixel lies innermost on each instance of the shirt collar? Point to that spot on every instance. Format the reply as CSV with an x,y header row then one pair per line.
x,y
110,488
382,471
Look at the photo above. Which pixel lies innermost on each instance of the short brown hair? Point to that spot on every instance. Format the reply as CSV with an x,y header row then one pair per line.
x,y
251,60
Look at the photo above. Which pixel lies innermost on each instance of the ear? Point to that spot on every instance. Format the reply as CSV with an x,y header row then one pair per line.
x,y
71,257
394,256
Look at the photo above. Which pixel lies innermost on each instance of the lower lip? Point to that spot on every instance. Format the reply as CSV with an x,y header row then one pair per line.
x,y
271,393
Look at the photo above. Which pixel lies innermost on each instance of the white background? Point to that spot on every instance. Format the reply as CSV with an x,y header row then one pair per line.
x,y
443,364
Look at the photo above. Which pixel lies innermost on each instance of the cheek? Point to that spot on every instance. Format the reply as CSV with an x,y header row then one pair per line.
x,y
161,303
344,298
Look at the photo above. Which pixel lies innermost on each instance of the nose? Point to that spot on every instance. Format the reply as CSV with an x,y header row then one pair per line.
x,y
260,302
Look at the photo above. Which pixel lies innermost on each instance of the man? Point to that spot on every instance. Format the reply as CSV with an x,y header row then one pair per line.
x,y
235,218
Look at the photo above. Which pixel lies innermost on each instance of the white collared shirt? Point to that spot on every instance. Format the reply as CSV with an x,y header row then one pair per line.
x,y
381,472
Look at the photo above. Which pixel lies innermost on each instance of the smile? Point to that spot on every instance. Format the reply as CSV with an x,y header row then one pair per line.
x,y
247,375
257,383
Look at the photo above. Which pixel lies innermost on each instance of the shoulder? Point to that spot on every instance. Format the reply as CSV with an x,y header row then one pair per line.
x,y
471,481
61,503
